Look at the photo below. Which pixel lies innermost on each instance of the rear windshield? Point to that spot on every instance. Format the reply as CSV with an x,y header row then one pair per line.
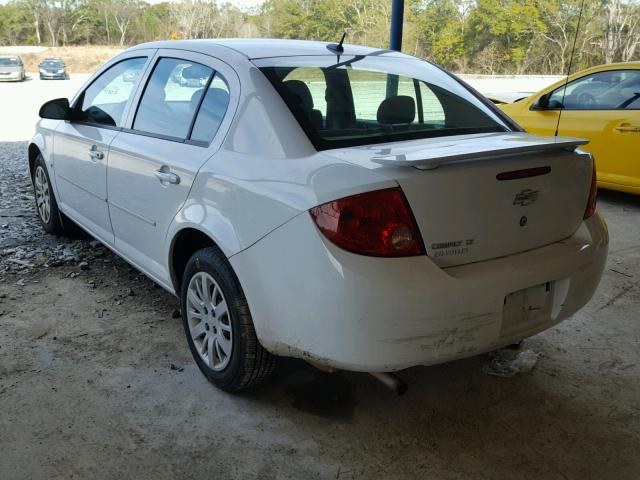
x,y
9,62
364,100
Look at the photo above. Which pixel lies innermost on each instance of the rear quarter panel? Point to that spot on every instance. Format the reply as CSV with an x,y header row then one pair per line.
x,y
265,173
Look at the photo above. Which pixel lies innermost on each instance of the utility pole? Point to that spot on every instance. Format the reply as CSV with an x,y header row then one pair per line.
x,y
395,41
397,17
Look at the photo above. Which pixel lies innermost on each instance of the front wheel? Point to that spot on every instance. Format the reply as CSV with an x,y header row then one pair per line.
x,y
46,205
218,324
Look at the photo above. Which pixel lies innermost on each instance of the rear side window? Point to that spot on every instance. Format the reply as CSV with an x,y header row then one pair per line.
x,y
212,110
374,105
171,97
103,101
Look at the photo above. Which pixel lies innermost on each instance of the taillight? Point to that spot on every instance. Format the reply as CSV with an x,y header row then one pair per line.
x,y
593,194
378,224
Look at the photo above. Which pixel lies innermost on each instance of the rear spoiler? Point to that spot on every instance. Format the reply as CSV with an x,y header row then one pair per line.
x,y
436,152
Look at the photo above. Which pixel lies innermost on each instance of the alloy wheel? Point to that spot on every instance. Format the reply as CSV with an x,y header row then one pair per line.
x,y
43,194
209,321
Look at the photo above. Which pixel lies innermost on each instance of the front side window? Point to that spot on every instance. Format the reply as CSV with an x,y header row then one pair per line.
x,y
634,105
171,98
103,102
375,99
610,90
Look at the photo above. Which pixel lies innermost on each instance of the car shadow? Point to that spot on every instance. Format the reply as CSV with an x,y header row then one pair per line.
x,y
454,414
619,198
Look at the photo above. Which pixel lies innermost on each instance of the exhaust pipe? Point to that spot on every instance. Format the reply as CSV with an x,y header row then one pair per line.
x,y
391,381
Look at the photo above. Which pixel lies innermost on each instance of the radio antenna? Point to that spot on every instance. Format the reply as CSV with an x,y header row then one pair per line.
x,y
337,47
566,82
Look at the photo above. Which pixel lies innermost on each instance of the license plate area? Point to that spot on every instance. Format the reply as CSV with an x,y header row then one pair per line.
x,y
526,309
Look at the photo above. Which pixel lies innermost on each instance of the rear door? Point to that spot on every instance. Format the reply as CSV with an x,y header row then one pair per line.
x,y
81,146
173,131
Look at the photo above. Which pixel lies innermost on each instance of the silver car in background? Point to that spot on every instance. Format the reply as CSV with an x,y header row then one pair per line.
x,y
52,69
11,69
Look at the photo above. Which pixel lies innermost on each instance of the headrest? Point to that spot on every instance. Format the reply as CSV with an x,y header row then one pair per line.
x,y
216,97
213,94
297,88
399,109
195,96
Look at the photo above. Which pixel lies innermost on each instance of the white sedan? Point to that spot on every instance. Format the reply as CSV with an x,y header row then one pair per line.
x,y
357,208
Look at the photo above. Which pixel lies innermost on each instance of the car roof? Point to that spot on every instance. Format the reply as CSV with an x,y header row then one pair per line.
x,y
608,66
254,48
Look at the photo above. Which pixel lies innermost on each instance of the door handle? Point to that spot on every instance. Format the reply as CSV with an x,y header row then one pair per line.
x,y
95,154
627,127
166,177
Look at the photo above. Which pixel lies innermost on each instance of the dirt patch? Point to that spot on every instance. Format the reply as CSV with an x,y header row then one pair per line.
x,y
82,59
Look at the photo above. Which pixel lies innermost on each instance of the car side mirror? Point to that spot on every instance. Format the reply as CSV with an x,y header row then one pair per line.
x,y
57,109
542,103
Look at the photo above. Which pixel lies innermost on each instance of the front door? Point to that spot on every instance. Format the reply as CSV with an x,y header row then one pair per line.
x,y
603,107
81,146
152,164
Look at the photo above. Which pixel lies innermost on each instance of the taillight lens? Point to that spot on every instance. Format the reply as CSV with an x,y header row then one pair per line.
x,y
378,224
593,194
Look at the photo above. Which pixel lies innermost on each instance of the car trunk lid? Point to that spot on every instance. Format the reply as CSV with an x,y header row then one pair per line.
x,y
477,197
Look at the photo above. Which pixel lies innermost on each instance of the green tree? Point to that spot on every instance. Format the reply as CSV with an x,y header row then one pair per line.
x,y
510,24
441,26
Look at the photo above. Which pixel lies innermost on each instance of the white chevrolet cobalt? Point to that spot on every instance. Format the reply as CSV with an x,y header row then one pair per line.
x,y
357,208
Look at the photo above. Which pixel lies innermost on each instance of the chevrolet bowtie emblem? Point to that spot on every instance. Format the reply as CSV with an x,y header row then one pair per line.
x,y
526,197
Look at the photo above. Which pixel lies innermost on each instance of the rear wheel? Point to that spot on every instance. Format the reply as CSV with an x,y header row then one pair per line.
x,y
218,324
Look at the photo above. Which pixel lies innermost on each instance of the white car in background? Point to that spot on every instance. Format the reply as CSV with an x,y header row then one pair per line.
x,y
11,69
357,208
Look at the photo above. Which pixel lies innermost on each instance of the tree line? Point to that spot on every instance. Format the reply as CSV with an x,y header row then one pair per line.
x,y
480,36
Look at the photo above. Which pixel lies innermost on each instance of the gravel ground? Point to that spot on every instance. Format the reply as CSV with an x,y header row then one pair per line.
x,y
96,381
24,246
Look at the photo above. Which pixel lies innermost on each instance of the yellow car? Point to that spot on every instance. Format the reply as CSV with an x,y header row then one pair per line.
x,y
601,104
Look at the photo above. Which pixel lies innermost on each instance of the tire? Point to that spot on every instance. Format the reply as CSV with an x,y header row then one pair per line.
x,y
56,222
212,330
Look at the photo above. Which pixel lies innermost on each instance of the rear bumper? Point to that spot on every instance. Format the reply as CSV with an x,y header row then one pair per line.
x,y
311,300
